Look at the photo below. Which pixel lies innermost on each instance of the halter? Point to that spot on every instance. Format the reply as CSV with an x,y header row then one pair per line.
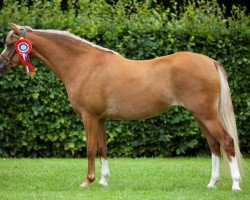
x,y
10,58
23,47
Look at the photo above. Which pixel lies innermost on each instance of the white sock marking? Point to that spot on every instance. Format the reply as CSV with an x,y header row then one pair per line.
x,y
105,172
235,173
215,171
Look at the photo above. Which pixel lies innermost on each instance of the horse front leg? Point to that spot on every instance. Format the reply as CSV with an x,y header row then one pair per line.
x,y
91,125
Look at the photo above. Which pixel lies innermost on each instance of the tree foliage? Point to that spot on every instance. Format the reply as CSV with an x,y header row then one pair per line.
x,y
36,119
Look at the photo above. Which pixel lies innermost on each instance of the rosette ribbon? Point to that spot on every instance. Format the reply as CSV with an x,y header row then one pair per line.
x,y
24,48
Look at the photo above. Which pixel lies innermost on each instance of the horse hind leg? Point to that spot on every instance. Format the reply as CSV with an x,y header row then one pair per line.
x,y
211,104
214,146
216,129
102,151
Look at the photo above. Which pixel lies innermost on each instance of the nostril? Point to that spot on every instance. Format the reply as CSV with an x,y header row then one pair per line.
x,y
2,65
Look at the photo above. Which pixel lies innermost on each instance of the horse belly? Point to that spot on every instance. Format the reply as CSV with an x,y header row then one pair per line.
x,y
137,106
139,91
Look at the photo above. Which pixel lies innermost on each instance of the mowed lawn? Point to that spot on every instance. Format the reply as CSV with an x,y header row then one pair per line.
x,y
143,178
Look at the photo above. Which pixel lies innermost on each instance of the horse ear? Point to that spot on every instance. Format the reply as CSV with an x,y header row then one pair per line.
x,y
15,28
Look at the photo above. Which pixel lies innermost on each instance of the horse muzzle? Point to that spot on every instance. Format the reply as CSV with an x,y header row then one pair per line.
x,y
2,68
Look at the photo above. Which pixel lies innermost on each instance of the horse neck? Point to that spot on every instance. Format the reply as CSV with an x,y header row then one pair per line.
x,y
62,56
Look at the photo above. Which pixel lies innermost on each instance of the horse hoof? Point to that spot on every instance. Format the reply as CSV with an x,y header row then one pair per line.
x,y
85,184
236,189
103,183
212,184
236,186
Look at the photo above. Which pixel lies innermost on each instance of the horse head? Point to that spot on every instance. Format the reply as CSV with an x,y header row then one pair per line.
x,y
9,59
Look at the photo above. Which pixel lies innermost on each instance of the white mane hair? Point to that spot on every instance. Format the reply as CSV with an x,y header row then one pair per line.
x,y
70,35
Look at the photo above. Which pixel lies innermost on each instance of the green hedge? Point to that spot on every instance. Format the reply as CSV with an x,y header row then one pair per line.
x,y
36,119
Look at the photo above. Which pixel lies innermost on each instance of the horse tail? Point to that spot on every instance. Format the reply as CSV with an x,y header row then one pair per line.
x,y
227,116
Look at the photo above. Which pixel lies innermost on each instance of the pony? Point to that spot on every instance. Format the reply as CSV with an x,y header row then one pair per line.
x,y
101,84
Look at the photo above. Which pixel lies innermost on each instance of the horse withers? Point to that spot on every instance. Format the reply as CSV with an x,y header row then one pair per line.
x,y
102,84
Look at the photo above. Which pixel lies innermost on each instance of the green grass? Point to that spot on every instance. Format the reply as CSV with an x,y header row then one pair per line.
x,y
144,178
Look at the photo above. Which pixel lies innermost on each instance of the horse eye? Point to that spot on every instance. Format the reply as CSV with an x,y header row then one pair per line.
x,y
9,46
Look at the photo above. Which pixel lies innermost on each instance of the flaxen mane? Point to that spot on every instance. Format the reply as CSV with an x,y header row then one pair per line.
x,y
70,35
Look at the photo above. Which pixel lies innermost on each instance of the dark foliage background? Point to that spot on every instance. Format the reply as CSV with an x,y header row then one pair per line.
x,y
36,119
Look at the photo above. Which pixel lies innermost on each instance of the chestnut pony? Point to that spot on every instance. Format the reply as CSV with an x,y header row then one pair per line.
x,y
102,84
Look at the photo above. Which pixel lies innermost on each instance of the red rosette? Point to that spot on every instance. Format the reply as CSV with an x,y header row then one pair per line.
x,y
23,46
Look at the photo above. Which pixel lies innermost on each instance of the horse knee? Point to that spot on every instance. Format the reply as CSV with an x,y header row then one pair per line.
x,y
91,153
